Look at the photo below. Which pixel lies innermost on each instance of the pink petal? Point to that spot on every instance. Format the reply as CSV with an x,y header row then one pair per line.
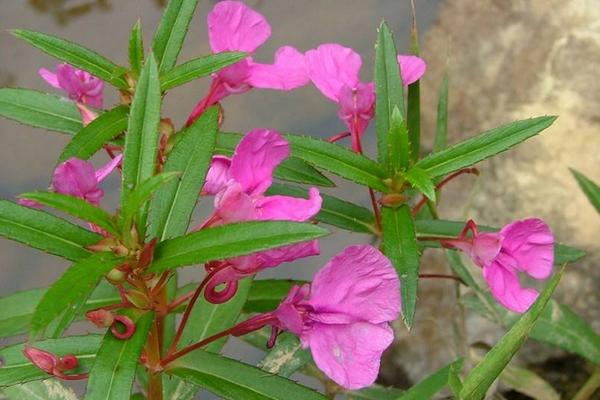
x,y
332,66
233,80
49,77
357,108
80,85
30,203
75,177
234,205
360,282
531,243
349,354
289,208
287,314
217,176
233,26
274,257
255,159
87,115
286,73
506,288
104,171
412,68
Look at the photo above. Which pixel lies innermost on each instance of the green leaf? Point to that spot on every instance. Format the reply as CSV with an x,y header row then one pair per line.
x,y
334,211
50,389
557,325
197,68
399,144
44,231
112,375
231,240
421,180
18,369
286,357
233,380
338,160
483,375
16,310
589,187
76,207
291,169
266,294
441,127
76,55
171,32
375,392
136,49
428,387
440,228
173,204
68,294
39,109
400,246
137,199
92,137
141,141
413,119
388,89
485,145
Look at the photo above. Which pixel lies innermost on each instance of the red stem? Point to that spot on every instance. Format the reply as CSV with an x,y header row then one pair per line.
x,y
337,137
440,185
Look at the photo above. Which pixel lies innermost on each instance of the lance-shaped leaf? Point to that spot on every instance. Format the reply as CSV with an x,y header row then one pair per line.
x,y
69,293
76,55
112,375
334,211
18,369
388,89
477,383
136,49
589,187
44,231
137,199
75,206
434,383
338,160
141,141
233,380
266,294
231,240
286,357
39,109
413,102
441,126
16,310
400,246
173,204
50,389
171,32
292,169
421,180
451,229
485,145
399,144
92,137
197,68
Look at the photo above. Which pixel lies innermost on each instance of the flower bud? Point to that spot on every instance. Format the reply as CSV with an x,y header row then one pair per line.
x,y
393,200
44,360
115,276
67,362
101,318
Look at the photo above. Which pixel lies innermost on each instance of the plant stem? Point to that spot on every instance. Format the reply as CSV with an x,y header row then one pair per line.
x,y
589,387
443,276
440,185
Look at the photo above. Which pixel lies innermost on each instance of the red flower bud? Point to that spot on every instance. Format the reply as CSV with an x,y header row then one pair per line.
x,y
44,360
101,318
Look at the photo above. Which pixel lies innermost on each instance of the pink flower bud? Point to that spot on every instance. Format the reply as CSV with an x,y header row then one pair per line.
x,y
101,318
44,360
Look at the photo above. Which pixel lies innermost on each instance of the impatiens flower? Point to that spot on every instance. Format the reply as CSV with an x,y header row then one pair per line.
x,y
233,26
334,69
80,86
239,185
343,317
521,246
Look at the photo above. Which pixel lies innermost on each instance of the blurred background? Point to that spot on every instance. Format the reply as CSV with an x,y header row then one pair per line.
x,y
506,60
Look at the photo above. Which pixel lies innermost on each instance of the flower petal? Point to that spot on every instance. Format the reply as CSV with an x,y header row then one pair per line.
x,y
331,66
359,281
531,243
289,208
255,159
233,26
49,77
75,177
103,172
412,68
506,288
286,73
234,205
274,257
349,354
217,176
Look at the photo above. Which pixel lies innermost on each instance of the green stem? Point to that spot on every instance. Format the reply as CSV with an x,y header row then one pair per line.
x,y
589,387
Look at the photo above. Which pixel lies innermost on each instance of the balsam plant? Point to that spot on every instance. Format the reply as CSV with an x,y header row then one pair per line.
x,y
163,340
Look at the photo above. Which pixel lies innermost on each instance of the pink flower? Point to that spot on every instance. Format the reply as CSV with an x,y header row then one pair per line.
x,y
521,246
239,185
79,85
343,317
233,26
334,69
